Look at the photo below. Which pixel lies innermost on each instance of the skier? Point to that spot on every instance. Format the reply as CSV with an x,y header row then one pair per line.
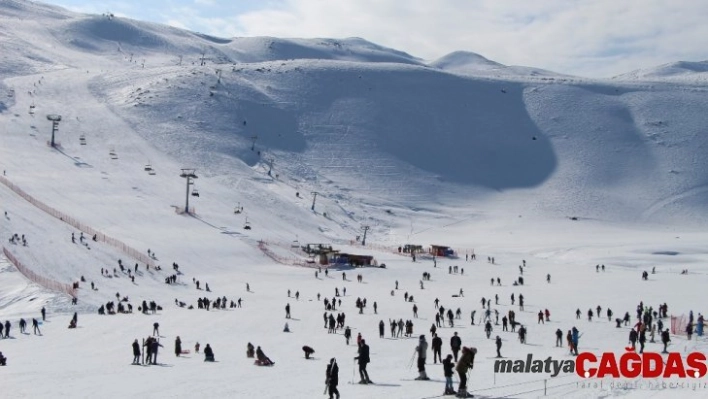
x,y
499,345
287,311
559,338
363,359
448,367
208,354
665,339
381,329
44,314
147,344
522,334
154,346
156,329
422,349
332,378
575,337
347,334
455,344
465,364
488,329
136,352
35,326
250,351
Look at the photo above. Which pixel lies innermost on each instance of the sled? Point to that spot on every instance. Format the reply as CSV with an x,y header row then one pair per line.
x,y
263,363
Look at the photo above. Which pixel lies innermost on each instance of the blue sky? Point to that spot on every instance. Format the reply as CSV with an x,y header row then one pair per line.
x,y
596,38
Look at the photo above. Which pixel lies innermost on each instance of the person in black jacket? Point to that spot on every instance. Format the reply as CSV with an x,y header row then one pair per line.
x,y
3,360
633,337
455,345
448,369
154,347
363,359
437,348
178,346
262,359
208,354
665,339
136,352
332,378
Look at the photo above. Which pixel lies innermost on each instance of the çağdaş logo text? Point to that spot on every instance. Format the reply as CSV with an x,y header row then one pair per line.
x,y
627,365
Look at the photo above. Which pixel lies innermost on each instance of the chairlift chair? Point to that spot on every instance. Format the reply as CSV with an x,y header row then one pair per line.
x,y
195,193
247,225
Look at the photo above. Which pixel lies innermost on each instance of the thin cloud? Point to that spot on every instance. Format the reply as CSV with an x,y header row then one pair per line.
x,y
597,38
585,37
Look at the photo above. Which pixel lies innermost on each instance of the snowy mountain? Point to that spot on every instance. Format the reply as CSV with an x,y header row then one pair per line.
x,y
681,71
323,141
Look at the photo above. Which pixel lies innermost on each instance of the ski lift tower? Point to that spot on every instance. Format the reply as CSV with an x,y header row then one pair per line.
x,y
55,126
189,175
366,229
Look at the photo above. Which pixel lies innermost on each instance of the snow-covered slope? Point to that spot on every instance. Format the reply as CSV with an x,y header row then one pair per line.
x,y
680,71
473,64
316,139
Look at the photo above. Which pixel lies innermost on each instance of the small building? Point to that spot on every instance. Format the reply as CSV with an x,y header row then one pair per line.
x,y
411,249
317,249
352,259
441,250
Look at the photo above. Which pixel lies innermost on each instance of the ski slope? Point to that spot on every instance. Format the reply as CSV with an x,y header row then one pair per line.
x,y
461,151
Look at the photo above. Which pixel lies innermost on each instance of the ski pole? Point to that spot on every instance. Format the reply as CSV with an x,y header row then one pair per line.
x,y
353,371
410,363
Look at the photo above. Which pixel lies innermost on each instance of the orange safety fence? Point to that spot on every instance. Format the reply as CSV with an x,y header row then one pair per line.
x,y
100,237
39,279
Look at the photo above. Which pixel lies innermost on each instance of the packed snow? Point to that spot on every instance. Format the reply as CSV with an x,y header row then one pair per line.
x,y
307,141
